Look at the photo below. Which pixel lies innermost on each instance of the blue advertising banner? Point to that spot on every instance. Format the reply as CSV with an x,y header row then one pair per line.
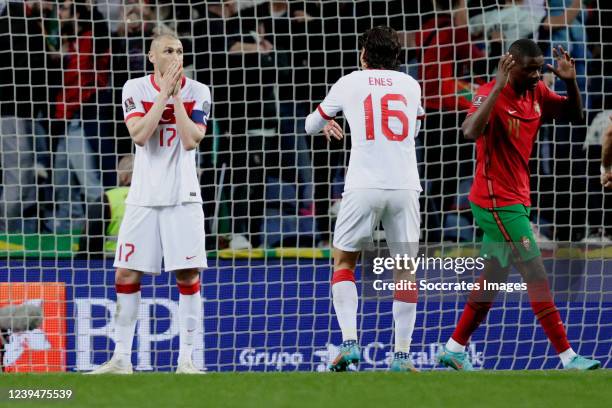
x,y
277,315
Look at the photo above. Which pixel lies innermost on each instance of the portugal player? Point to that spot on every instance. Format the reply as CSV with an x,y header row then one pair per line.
x,y
383,109
166,115
505,119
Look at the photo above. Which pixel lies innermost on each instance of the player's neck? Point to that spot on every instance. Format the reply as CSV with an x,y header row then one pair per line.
x,y
157,77
519,89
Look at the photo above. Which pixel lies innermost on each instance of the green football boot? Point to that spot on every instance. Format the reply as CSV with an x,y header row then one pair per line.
x,y
349,354
582,364
457,361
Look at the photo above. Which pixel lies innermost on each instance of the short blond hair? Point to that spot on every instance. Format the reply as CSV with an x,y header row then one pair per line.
x,y
162,31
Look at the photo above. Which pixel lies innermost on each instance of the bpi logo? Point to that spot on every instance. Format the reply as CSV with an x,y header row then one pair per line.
x,y
94,325
42,349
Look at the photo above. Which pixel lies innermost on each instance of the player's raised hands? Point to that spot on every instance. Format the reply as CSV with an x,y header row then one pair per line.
x,y
177,88
565,66
170,78
503,70
332,129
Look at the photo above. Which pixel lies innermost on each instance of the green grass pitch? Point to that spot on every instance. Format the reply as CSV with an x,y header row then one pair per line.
x,y
313,390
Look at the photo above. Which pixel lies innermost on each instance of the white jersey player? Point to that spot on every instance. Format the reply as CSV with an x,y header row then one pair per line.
x,y
166,115
383,109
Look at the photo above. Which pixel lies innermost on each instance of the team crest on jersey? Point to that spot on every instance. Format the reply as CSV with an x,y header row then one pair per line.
x,y
536,108
526,243
129,104
167,117
479,100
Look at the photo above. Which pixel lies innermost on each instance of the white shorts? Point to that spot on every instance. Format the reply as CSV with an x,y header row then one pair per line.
x,y
175,233
361,211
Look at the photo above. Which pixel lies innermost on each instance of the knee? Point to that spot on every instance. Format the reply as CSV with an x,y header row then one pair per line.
x,y
345,260
533,270
125,276
187,276
494,272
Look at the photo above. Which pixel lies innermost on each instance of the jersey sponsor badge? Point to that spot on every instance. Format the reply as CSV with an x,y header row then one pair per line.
x,y
129,104
479,100
206,107
526,243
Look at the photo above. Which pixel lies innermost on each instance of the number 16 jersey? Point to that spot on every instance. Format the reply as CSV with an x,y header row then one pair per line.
x,y
164,171
382,108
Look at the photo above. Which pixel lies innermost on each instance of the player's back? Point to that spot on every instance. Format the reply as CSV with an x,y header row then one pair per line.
x,y
381,107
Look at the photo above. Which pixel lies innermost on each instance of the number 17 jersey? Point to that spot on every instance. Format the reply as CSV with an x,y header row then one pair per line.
x,y
164,171
382,108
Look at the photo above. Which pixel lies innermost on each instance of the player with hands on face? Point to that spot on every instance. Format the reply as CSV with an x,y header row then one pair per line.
x,y
505,119
166,115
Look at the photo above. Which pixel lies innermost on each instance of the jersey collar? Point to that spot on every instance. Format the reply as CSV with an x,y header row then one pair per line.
x,y
152,76
509,91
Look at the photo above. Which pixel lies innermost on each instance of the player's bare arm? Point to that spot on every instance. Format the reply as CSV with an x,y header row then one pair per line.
x,y
142,128
565,70
606,158
191,134
475,124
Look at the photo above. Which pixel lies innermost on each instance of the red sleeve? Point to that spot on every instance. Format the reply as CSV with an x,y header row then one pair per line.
x,y
552,103
479,98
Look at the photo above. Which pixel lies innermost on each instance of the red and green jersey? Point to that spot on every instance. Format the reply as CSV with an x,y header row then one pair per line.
x,y
504,148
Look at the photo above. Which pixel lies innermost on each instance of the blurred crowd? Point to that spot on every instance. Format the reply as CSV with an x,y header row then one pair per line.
x,y
266,183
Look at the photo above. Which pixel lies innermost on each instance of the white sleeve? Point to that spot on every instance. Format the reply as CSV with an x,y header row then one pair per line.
x,y
201,110
131,101
326,111
420,118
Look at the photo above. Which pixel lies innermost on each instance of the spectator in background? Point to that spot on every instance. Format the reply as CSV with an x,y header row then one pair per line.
x,y
218,177
285,27
81,112
111,10
244,118
565,26
568,186
448,61
210,63
25,66
513,20
128,44
104,217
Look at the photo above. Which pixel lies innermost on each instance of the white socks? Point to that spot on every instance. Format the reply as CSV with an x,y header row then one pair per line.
x,y
345,303
404,316
453,346
190,317
567,356
126,315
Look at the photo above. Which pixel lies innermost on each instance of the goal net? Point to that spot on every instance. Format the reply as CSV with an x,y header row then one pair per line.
x,y
272,193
